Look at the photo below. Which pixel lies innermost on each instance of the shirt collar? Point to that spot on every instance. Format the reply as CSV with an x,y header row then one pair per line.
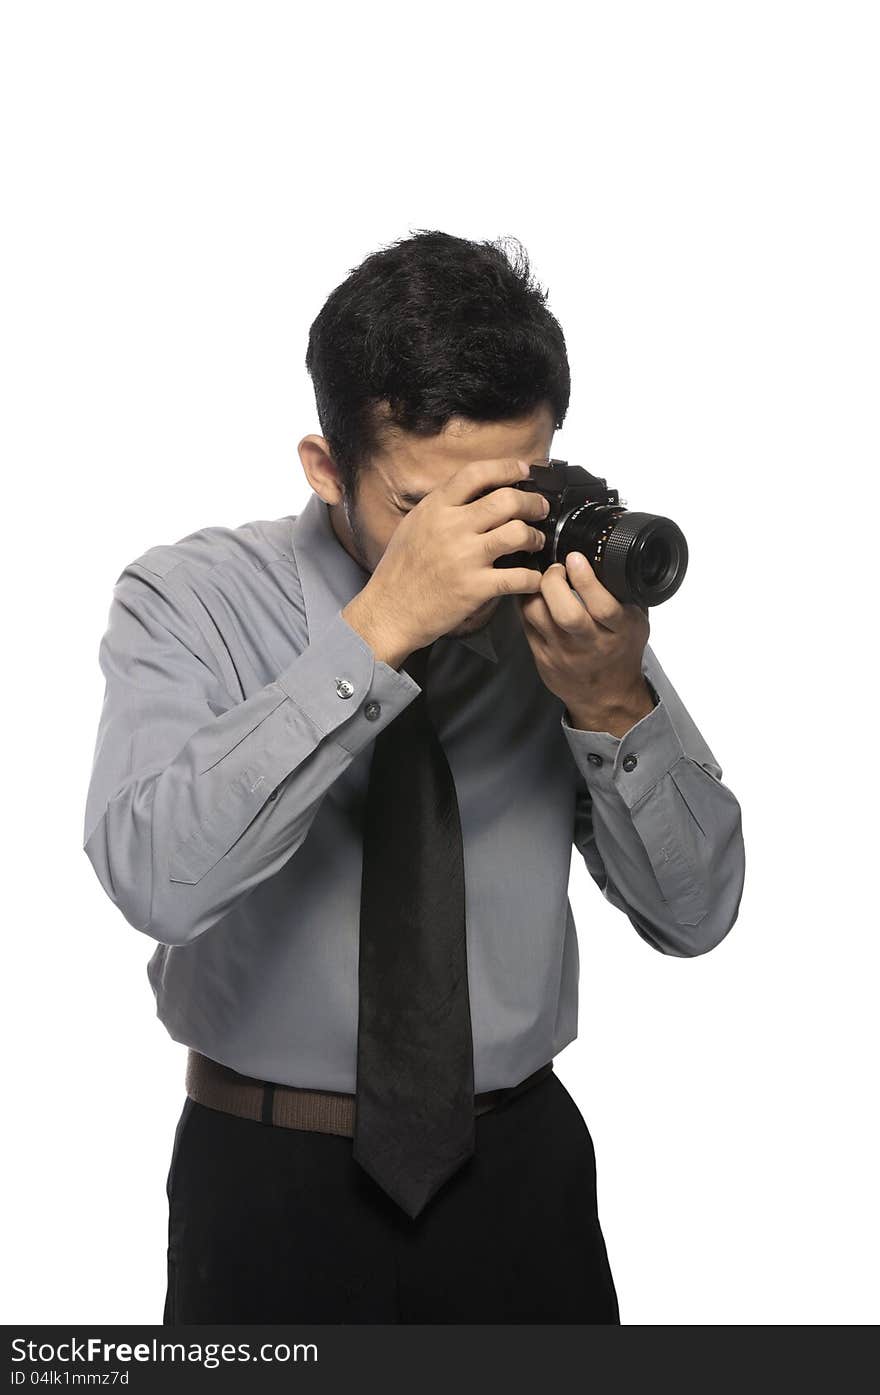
x,y
330,578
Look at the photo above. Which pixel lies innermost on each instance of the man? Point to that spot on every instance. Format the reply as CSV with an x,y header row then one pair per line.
x,y
341,764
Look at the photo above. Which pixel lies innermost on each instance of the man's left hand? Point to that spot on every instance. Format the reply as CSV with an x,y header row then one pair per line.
x,y
588,647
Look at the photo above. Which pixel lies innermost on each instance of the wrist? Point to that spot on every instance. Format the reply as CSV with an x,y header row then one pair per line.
x,y
371,623
616,716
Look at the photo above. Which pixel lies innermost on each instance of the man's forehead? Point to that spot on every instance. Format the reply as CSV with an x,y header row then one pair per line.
x,y
412,474
410,466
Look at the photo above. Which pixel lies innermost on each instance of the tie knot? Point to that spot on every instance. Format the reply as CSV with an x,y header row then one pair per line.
x,y
416,664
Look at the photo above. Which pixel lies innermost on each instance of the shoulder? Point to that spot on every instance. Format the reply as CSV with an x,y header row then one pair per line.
x,y
246,550
203,577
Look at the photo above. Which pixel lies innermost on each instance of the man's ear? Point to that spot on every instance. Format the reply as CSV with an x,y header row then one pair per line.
x,y
320,469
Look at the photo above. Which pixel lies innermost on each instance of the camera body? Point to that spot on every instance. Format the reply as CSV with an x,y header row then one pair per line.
x,y
641,558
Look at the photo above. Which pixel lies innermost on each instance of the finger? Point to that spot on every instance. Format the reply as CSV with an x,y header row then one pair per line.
x,y
566,608
500,505
515,536
507,581
604,608
535,615
535,632
477,475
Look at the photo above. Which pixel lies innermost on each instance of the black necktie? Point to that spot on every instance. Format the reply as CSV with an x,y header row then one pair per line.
x,y
414,1104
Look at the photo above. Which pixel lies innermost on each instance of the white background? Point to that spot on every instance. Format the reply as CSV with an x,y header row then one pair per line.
x,y
697,187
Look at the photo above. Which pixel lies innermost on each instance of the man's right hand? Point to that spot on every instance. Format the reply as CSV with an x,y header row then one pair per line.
x,y
437,568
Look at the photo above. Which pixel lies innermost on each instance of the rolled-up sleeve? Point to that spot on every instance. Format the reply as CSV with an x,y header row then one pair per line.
x,y
658,830
195,798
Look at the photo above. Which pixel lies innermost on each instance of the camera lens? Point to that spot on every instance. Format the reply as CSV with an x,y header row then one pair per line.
x,y
655,561
638,557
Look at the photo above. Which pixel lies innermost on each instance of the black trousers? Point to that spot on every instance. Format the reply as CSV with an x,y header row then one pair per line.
x,y
269,1224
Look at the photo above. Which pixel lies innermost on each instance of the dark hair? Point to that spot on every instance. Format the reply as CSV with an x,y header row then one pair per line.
x,y
428,328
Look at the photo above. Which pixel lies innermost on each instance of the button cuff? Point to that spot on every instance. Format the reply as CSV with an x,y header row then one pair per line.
x,y
338,663
647,752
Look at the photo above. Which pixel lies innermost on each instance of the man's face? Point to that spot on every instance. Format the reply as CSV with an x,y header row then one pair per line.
x,y
408,467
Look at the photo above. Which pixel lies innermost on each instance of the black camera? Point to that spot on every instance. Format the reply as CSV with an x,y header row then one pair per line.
x,y
641,558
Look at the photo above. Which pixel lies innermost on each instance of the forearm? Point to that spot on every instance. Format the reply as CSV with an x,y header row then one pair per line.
x,y
615,717
374,624
659,831
175,842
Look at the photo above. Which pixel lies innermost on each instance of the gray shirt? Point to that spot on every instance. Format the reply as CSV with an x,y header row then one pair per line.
x,y
231,762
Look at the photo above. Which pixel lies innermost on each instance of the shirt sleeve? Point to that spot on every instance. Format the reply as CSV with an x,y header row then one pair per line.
x,y
195,798
659,832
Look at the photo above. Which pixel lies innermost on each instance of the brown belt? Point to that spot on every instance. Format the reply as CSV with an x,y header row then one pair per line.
x,y
325,1111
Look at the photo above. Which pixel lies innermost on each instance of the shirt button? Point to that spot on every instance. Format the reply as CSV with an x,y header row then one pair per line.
x,y
343,688
630,762
372,710
594,758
